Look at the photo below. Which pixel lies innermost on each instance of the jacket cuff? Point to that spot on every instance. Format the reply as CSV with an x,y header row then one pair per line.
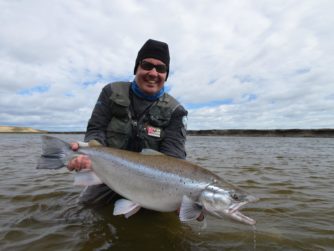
x,y
94,142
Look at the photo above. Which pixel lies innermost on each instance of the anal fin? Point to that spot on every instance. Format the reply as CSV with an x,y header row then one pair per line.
x,y
126,207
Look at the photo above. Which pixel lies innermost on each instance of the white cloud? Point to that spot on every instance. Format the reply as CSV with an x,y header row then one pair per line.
x,y
272,61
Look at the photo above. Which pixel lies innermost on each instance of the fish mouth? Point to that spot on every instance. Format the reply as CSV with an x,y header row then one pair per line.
x,y
238,216
234,213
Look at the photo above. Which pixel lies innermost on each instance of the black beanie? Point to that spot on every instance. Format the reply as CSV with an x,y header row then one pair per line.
x,y
154,49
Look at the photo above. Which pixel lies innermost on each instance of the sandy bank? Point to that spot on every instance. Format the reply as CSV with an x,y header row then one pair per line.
x,y
15,129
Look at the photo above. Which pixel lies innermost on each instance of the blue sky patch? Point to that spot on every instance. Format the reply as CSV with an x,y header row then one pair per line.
x,y
92,80
249,97
32,90
167,88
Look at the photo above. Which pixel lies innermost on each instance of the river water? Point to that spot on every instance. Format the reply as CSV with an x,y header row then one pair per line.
x,y
292,177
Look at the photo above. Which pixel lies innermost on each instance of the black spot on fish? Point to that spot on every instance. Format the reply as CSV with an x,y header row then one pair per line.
x,y
235,196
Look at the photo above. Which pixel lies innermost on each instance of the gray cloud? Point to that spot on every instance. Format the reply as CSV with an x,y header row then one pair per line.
x,y
272,61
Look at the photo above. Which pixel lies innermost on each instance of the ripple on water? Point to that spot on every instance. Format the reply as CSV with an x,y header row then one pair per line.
x,y
292,177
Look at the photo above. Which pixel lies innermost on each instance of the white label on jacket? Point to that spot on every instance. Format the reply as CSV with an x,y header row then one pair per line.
x,y
153,131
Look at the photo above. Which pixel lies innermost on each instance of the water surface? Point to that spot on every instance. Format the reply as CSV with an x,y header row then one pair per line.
x,y
292,177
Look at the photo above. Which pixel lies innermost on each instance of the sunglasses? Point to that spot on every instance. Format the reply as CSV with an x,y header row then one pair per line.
x,y
161,68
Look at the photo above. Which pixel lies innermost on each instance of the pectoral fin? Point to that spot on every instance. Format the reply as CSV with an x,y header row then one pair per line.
x,y
189,209
126,207
86,178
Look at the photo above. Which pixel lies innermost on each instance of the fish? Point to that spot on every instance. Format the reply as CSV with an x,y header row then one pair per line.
x,y
152,180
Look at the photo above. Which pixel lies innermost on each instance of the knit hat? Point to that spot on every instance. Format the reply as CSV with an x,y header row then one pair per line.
x,y
154,49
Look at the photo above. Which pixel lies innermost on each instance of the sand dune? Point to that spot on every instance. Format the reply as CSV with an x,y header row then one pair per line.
x,y
15,129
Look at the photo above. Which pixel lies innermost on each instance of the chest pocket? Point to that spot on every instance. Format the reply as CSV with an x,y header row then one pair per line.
x,y
159,116
119,128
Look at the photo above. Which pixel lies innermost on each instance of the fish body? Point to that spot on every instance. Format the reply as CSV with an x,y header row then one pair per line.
x,y
154,181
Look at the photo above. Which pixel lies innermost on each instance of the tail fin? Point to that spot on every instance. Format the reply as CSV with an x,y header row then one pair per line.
x,y
55,153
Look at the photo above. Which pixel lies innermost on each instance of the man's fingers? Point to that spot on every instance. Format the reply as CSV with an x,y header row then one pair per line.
x,y
85,162
70,165
74,146
80,162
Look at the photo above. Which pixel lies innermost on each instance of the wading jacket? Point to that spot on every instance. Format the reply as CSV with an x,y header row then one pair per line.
x,y
123,120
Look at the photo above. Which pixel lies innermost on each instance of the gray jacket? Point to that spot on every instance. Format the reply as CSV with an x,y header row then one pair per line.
x,y
123,120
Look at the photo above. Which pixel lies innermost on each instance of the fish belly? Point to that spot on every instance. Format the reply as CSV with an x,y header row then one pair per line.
x,y
149,187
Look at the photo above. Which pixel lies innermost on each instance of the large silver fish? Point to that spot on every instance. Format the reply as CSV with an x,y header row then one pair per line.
x,y
153,180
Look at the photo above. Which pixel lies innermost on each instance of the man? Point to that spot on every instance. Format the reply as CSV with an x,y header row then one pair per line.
x,y
136,115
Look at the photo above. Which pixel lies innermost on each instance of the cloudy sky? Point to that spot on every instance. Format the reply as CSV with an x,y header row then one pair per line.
x,y
252,64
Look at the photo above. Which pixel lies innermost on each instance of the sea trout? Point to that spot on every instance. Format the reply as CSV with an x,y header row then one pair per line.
x,y
153,181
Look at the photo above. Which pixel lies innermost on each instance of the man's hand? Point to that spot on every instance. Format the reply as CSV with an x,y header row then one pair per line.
x,y
74,146
80,162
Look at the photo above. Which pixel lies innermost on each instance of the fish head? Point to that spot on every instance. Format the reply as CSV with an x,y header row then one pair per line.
x,y
220,202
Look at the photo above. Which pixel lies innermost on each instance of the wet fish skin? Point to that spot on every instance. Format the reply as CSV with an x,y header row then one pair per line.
x,y
154,181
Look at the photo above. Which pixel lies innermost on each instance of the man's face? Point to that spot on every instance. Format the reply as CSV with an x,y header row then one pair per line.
x,y
150,81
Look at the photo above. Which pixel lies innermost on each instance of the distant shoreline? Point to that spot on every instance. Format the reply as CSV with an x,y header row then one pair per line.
x,y
322,133
16,129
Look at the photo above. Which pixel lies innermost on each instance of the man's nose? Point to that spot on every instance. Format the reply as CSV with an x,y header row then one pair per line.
x,y
153,72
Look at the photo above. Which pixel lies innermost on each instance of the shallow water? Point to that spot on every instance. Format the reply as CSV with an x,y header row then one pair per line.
x,y
292,177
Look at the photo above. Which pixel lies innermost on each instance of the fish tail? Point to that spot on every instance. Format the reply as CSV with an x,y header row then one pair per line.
x,y
55,153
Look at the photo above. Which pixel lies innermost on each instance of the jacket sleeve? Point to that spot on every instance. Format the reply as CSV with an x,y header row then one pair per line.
x,y
173,143
100,118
